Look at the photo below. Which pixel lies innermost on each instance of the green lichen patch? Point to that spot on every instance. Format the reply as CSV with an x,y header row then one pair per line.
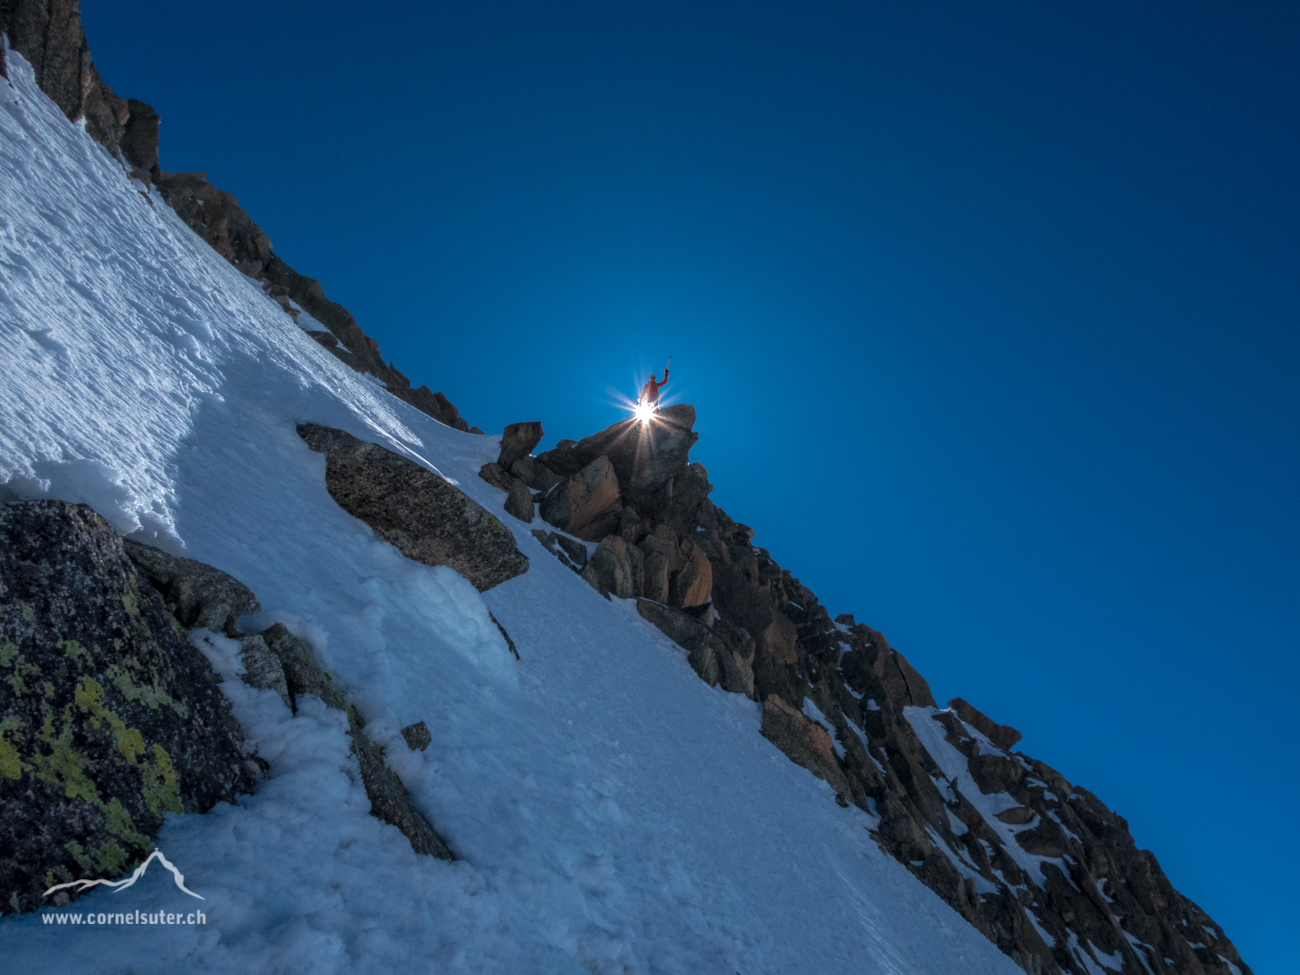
x,y
109,718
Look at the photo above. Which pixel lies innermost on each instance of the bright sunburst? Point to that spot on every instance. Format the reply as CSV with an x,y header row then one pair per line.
x,y
643,413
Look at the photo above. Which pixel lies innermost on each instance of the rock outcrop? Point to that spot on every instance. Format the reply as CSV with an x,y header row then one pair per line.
x,y
425,517
196,594
109,718
646,458
389,800
518,441
519,502
48,33
1038,865
587,504
1000,735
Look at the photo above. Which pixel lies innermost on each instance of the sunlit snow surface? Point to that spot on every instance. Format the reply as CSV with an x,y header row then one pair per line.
x,y
613,813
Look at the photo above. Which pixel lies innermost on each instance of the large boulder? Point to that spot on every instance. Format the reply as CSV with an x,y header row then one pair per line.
x,y
520,501
1002,736
109,717
495,475
587,504
195,593
693,584
535,474
612,568
425,517
518,441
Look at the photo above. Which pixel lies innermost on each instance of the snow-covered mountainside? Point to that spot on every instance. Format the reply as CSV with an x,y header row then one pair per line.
x,y
611,811
807,807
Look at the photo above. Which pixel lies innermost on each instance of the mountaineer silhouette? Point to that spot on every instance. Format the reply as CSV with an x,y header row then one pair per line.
x,y
650,391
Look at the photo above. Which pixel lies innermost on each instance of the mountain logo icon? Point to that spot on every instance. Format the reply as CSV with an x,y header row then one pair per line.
x,y
122,885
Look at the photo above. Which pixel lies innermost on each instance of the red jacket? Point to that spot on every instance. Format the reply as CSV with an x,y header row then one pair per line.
x,y
650,391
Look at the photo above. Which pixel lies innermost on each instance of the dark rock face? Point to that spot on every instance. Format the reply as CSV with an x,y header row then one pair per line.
x,y
1001,735
217,217
390,801
587,504
535,474
108,716
518,441
423,516
49,35
140,141
520,501
708,653
495,475
196,594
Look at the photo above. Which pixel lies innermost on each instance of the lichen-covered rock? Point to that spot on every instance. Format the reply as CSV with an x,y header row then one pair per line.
x,y
262,668
108,716
197,594
425,517
302,673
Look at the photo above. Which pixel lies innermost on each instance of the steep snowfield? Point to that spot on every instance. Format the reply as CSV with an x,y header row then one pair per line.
x,y
613,813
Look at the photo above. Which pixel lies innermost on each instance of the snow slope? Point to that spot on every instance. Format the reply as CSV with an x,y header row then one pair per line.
x,y
613,813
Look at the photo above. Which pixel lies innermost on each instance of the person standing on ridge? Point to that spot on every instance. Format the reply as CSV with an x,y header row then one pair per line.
x,y
650,391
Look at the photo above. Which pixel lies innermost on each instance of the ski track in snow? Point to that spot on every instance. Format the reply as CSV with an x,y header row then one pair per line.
x,y
613,813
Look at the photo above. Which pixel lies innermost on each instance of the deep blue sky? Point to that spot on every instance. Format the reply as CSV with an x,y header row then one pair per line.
x,y
989,312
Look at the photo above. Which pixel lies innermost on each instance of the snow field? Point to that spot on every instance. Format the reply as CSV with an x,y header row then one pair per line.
x,y
612,812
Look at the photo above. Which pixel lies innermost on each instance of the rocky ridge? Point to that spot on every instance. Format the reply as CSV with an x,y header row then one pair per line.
x,y
1040,866
48,33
